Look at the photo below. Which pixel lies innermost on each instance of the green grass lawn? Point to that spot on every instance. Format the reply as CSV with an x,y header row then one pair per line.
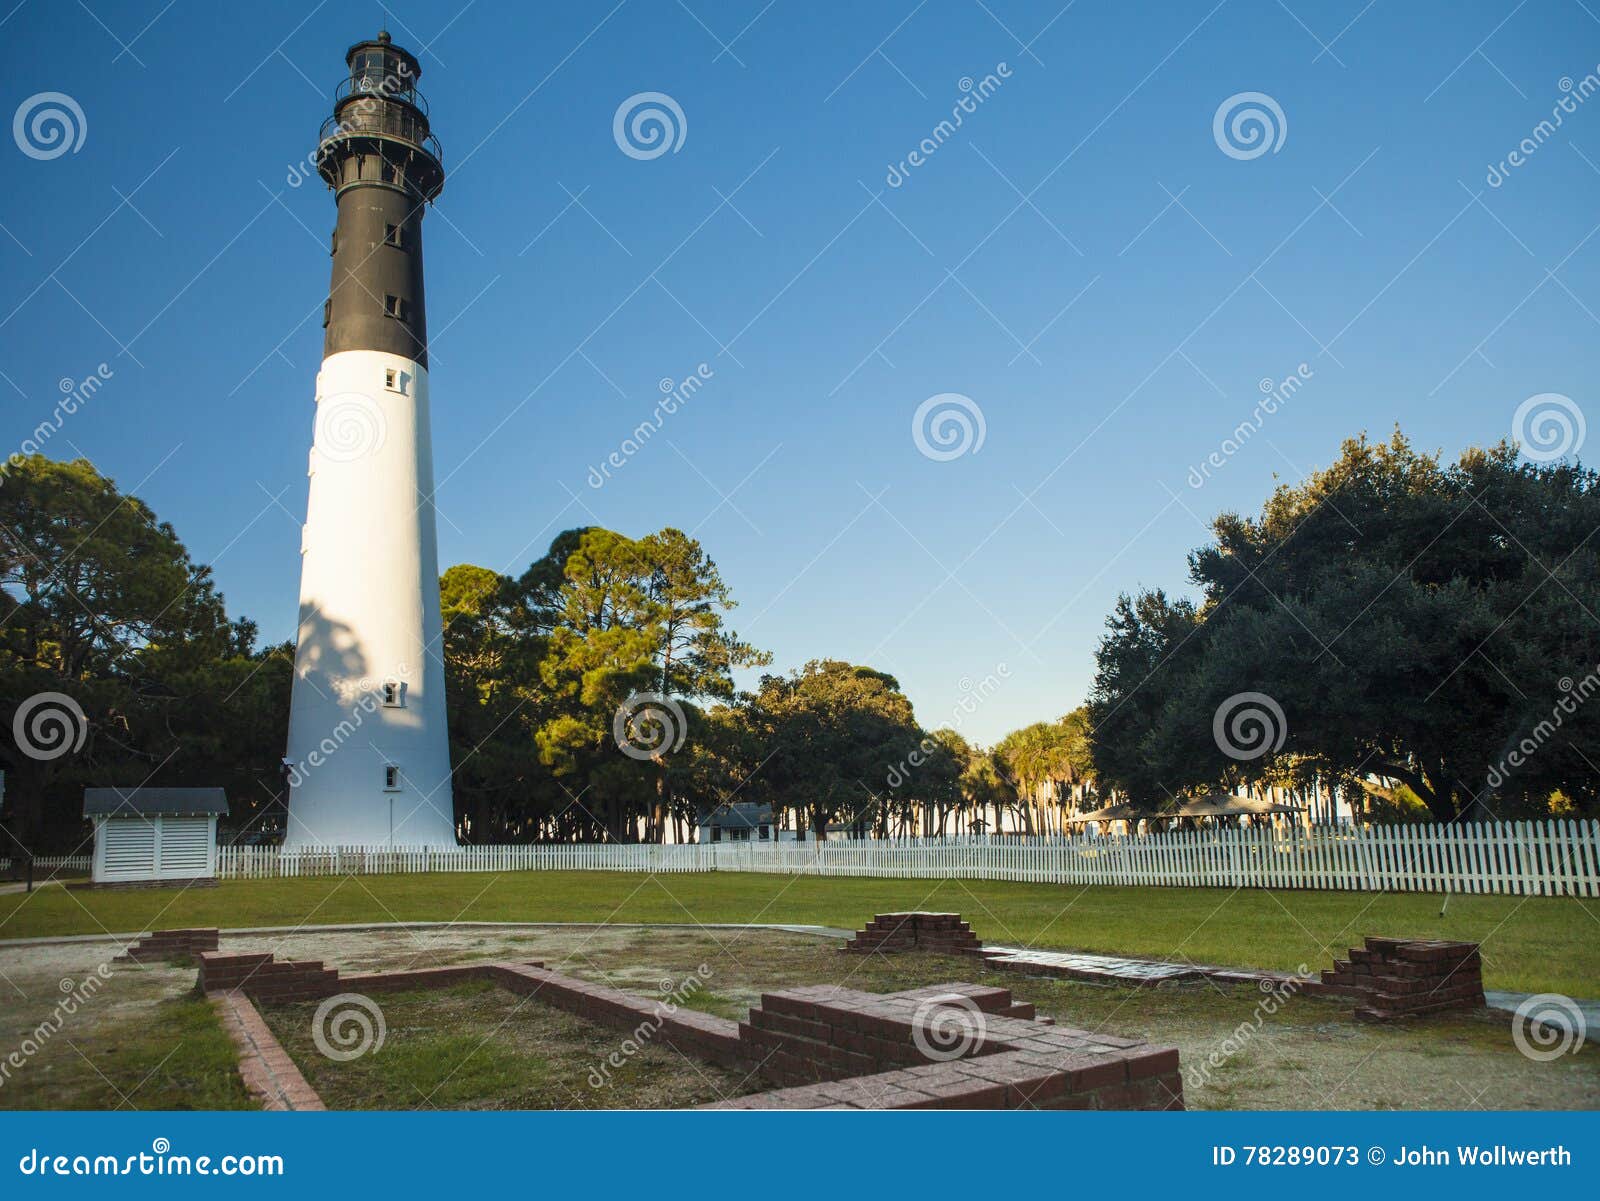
x,y
477,1046
176,1057
1530,944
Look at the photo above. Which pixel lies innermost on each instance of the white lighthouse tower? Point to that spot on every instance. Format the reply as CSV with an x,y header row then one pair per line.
x,y
369,755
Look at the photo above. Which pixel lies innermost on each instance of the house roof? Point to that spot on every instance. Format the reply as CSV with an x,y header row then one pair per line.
x,y
738,815
154,802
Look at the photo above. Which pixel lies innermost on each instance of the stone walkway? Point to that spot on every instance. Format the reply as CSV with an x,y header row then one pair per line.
x,y
1076,965
1575,1019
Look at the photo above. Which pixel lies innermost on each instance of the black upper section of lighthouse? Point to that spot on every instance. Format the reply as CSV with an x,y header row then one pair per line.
x,y
382,161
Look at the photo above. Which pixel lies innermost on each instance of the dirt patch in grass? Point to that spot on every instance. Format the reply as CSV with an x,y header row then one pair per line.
x,y
477,1046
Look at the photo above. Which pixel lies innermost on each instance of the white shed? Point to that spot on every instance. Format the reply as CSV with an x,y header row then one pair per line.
x,y
149,834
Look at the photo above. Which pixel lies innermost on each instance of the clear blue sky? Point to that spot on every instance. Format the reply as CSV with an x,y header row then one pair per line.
x,y
827,304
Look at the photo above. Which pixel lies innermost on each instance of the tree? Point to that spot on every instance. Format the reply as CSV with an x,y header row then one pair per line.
x,y
833,732
1151,642
630,626
499,783
694,651
109,612
1421,622
1041,760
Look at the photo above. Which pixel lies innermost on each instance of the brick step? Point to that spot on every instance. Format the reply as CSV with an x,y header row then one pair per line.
x,y
1467,994
1370,1014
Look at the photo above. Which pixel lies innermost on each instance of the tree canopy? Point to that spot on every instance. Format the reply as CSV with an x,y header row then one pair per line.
x,y
118,653
1426,622
1422,634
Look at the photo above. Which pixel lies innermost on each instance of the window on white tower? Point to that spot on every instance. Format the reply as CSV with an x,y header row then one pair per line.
x,y
391,778
395,380
391,694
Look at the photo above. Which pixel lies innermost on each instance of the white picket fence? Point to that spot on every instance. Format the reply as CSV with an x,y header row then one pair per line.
x,y
1543,858
43,865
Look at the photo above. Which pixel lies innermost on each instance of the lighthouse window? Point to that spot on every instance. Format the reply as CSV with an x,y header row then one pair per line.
x,y
395,306
394,236
394,380
391,778
391,694
327,312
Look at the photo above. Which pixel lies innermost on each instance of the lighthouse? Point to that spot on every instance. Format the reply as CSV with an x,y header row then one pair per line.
x,y
369,756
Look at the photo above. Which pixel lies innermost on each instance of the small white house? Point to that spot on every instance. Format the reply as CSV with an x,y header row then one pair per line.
x,y
741,821
150,834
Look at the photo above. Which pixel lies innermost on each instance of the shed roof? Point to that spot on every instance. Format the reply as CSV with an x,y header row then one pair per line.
x,y
154,802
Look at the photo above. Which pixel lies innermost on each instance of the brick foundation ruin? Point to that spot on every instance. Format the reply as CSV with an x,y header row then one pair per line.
x,y
950,1046
168,946
1388,978
1391,978
942,933
945,1046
